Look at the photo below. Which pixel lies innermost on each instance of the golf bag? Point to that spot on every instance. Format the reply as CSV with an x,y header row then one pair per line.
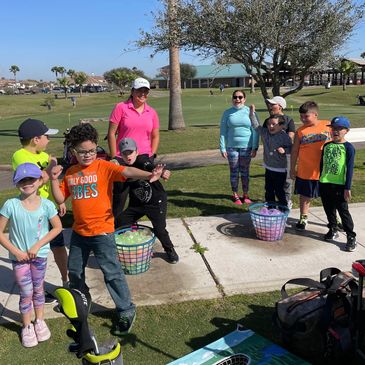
x,y
68,158
317,322
75,306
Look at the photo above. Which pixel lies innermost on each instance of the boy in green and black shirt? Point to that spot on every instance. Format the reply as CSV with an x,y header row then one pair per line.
x,y
337,166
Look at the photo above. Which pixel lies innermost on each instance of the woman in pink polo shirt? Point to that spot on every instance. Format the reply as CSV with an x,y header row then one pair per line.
x,y
135,119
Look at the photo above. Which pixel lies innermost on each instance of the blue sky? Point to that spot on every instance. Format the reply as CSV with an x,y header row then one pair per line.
x,y
88,36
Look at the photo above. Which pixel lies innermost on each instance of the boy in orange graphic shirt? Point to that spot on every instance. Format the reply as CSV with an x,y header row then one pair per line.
x,y
89,185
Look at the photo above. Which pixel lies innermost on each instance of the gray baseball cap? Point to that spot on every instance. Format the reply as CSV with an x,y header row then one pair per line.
x,y
127,144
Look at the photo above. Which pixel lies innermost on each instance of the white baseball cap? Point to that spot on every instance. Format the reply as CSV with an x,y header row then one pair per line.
x,y
277,100
140,82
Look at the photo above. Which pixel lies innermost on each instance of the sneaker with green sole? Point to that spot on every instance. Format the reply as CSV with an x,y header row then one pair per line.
x,y
124,325
300,226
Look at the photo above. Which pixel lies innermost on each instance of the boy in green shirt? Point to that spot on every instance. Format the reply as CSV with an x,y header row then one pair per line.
x,y
336,170
33,135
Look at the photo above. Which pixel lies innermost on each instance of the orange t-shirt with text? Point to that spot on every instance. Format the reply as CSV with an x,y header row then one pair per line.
x,y
311,141
90,189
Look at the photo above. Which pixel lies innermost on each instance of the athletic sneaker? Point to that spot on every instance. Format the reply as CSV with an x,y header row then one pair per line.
x,y
245,199
172,256
124,325
351,244
331,234
41,330
300,226
29,338
236,200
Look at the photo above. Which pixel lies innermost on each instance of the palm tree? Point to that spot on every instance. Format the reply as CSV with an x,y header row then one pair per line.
x,y
64,83
58,70
61,71
14,69
80,78
55,70
176,119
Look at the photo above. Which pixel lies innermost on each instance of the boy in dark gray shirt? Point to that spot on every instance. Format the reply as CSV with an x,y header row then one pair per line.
x,y
277,145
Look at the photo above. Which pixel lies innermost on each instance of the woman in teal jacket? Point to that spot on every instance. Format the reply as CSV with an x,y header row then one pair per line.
x,y
238,143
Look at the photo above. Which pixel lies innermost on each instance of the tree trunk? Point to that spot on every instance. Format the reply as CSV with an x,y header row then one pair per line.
x,y
176,119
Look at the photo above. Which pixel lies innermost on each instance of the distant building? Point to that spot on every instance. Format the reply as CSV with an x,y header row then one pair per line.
x,y
211,76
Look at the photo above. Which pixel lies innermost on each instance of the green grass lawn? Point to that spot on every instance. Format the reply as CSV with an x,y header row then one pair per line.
x,y
160,335
164,333
202,113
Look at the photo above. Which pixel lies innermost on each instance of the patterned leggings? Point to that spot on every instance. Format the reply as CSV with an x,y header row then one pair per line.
x,y
29,276
239,160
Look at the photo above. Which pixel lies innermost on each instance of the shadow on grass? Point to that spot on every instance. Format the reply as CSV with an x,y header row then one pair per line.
x,y
206,209
130,338
259,321
316,94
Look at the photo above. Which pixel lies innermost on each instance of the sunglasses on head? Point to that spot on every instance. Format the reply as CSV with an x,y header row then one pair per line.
x,y
237,97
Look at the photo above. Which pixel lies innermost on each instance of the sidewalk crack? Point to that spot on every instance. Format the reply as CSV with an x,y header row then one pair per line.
x,y
209,268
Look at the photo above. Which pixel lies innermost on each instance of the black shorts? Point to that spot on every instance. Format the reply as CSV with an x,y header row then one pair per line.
x,y
58,241
307,188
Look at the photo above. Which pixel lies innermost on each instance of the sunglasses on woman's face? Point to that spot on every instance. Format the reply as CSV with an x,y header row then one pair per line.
x,y
237,97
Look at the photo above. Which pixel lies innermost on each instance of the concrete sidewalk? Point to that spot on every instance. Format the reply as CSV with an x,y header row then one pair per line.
x,y
235,262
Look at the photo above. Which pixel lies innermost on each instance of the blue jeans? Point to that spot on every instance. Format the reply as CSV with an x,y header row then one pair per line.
x,y
105,252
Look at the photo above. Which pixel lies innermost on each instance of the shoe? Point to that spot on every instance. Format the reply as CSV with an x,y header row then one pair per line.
x,y
236,200
41,330
29,338
351,244
300,226
124,325
49,298
245,199
331,234
172,256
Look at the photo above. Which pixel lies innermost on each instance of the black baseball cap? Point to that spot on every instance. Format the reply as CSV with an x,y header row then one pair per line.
x,y
31,128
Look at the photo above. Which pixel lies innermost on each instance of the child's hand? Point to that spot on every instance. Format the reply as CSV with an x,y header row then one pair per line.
x,y
252,109
56,172
62,209
52,162
347,195
280,150
166,174
156,172
21,256
32,252
293,174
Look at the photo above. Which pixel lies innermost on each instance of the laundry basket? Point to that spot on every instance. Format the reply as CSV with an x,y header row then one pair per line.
x,y
269,220
135,248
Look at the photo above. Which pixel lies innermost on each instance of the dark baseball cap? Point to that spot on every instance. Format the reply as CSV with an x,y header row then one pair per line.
x,y
31,128
127,144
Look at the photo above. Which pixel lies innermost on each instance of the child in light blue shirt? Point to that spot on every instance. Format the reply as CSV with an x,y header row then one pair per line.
x,y
29,216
